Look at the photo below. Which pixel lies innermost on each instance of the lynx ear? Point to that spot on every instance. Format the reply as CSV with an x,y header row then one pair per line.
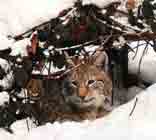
x,y
74,61
101,60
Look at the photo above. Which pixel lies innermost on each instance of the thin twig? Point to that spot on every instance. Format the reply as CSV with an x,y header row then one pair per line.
x,y
27,125
76,46
136,100
140,61
122,26
136,51
142,44
26,103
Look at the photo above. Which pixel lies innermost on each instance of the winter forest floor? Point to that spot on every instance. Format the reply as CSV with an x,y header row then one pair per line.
x,y
132,120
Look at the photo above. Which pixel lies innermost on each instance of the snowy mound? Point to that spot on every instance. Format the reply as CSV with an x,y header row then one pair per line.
x,y
118,125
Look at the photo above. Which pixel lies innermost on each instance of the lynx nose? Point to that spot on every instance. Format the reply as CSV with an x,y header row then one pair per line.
x,y
83,92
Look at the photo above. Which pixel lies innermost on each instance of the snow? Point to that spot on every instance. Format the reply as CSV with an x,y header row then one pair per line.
x,y
5,42
18,23
148,64
4,98
5,65
20,47
15,19
117,125
91,48
22,127
7,81
4,135
100,3
46,70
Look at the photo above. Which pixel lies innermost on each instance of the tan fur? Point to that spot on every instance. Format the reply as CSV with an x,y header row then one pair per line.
x,y
84,74
84,94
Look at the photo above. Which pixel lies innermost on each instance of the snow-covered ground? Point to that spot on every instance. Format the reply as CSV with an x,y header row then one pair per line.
x,y
118,125
17,16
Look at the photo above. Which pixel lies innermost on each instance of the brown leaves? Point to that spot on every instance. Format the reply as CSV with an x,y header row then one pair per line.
x,y
130,4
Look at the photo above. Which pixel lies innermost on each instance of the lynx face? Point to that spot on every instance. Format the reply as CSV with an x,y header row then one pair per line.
x,y
88,87
84,93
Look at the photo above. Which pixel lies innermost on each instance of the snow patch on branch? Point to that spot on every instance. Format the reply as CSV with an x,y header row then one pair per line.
x,y
4,98
100,3
7,81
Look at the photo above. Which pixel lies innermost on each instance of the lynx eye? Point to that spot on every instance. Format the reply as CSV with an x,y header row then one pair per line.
x,y
90,82
74,83
101,81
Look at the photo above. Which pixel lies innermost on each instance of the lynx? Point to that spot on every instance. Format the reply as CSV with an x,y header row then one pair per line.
x,y
83,94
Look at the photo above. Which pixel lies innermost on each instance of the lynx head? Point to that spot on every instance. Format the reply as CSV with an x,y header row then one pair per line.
x,y
88,86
